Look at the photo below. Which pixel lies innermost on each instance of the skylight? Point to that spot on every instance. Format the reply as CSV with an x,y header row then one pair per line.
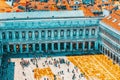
x,y
114,20
109,17
118,24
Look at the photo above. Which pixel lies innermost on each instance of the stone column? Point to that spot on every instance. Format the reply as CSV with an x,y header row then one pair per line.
x,y
26,35
83,46
33,35
33,47
15,48
77,33
71,48
27,47
90,32
89,48
46,34
58,34
40,47
65,46
21,48
20,35
52,46
8,48
77,46
71,33
40,34
65,34
58,46
83,32
52,34
46,46
7,35
96,45
13,35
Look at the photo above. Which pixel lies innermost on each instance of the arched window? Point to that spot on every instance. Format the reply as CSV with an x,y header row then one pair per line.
x,y
30,47
24,47
80,32
37,46
87,32
10,35
93,32
30,34
16,35
43,34
49,46
55,33
49,33
55,46
74,32
23,34
68,33
3,35
4,48
36,34
62,33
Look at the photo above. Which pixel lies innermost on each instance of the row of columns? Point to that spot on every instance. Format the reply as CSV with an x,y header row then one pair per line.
x,y
110,53
46,33
71,46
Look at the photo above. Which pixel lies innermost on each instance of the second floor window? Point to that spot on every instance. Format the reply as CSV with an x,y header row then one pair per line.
x,y
3,35
16,35
81,32
49,33
43,34
30,34
62,33
55,33
10,35
23,34
93,32
68,33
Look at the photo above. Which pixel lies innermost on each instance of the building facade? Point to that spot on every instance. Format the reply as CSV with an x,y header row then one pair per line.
x,y
36,32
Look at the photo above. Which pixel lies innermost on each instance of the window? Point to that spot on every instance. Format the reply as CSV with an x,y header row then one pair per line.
x,y
92,45
3,35
5,48
62,33
49,33
109,17
30,34
24,47
16,35
114,20
74,32
43,34
10,35
81,32
68,33
93,32
86,45
55,33
55,46
30,47
37,46
23,34
36,34
87,32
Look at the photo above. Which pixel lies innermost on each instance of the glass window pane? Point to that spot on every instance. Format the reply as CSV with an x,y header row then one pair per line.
x,y
36,34
3,35
16,35
10,35
30,34
23,34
